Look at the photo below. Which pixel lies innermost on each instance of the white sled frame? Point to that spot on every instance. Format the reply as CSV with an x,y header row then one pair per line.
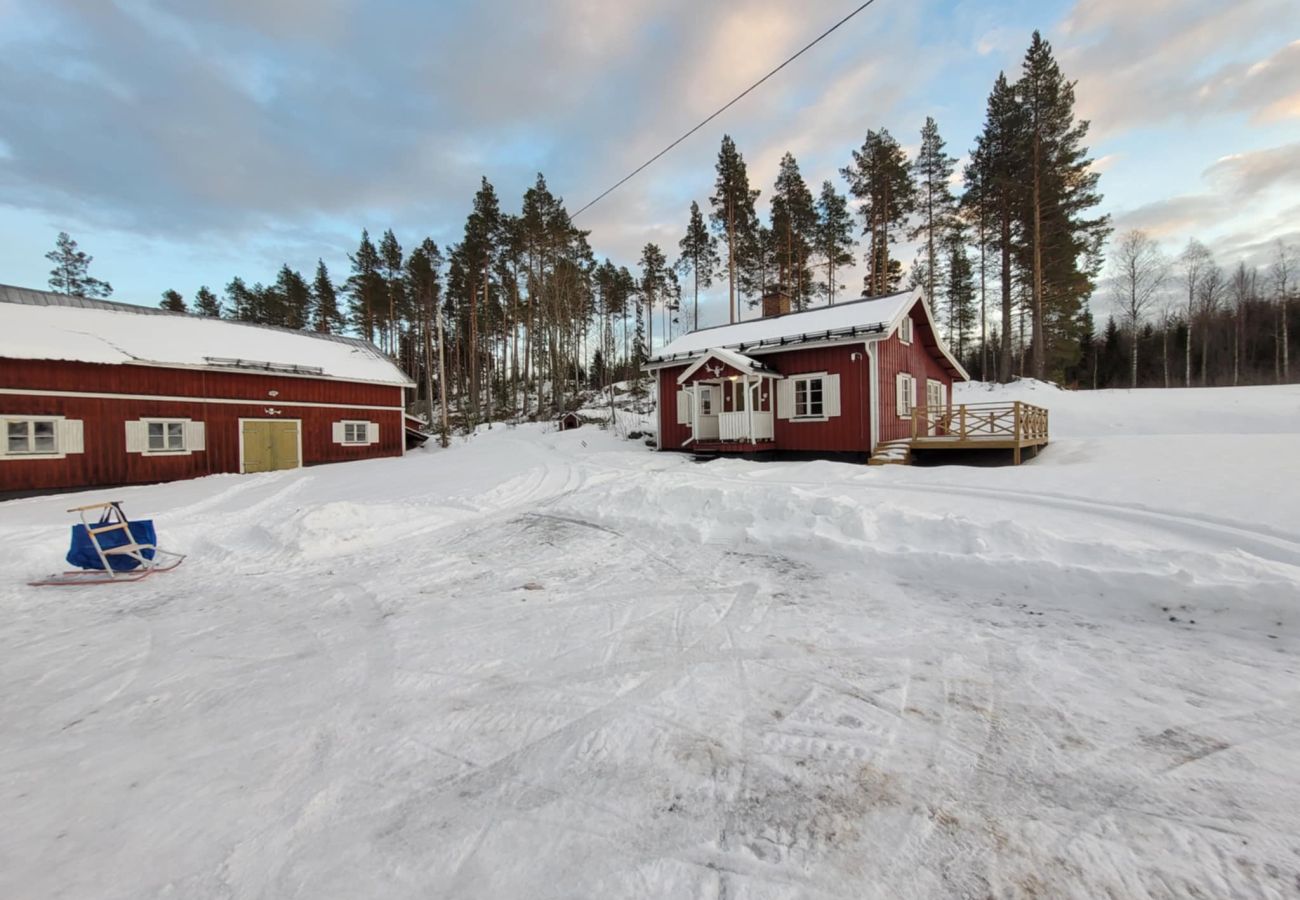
x,y
111,518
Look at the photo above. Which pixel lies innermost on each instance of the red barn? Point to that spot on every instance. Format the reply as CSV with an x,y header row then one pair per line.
x,y
99,393
839,379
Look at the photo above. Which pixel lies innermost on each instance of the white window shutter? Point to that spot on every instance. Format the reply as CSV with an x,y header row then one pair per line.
x,y
911,385
71,436
831,395
900,394
785,398
196,436
137,436
337,429
683,408
372,430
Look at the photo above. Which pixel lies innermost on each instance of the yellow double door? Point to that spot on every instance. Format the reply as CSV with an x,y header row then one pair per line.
x,y
270,445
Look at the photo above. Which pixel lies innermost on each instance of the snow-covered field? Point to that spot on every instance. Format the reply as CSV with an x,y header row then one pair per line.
x,y
556,665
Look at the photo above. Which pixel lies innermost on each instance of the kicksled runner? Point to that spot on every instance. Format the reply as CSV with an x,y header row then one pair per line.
x,y
112,549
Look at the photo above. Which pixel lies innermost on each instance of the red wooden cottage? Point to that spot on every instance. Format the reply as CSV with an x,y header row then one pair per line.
x,y
838,379
100,393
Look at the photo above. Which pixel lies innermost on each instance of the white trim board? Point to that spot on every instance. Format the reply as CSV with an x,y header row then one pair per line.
x,y
258,401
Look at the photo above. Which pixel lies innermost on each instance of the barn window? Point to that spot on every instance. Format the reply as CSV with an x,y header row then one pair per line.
x,y
905,330
809,395
356,432
39,437
31,436
166,437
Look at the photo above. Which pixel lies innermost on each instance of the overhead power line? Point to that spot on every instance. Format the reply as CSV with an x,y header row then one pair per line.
x,y
732,102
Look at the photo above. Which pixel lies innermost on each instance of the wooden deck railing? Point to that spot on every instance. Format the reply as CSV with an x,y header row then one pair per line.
x,y
1016,421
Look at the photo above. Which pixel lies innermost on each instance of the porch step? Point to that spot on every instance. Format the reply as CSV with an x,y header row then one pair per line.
x,y
892,453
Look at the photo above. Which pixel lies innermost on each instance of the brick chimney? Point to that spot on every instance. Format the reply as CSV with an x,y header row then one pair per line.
x,y
776,302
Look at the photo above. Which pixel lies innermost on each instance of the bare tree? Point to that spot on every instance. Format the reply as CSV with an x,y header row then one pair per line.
x,y
1193,262
1139,272
1283,268
1209,294
1244,281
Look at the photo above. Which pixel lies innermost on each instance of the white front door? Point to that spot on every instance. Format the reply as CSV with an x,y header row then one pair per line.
x,y
708,398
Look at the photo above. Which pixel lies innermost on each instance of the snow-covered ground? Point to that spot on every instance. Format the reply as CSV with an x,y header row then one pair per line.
x,y
547,664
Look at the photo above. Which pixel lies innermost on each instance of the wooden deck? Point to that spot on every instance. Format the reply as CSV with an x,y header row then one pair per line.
x,y
971,426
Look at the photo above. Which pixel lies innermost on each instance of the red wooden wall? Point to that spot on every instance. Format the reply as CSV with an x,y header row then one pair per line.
x,y
850,430
921,360
847,432
105,460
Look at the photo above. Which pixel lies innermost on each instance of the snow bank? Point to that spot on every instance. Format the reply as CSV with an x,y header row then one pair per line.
x,y
556,658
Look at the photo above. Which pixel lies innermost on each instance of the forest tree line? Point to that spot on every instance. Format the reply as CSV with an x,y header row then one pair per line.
x,y
518,316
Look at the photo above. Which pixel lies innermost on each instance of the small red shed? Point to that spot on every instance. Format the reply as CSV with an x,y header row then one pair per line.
x,y
837,379
100,393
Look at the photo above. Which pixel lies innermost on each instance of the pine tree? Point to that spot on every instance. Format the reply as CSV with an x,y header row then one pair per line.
x,y
239,300
993,184
936,209
959,289
294,297
366,287
880,178
479,251
390,260
654,282
326,317
1060,247
206,303
172,301
733,214
71,272
834,236
794,223
699,256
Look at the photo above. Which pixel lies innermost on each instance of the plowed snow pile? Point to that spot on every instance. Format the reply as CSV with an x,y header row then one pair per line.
x,y
549,664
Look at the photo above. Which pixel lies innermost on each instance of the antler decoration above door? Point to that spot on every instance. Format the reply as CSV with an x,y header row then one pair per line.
x,y
716,370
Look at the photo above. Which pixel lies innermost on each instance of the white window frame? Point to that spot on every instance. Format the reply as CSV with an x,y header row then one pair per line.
x,y
167,450
905,330
353,424
806,381
934,398
5,453
908,395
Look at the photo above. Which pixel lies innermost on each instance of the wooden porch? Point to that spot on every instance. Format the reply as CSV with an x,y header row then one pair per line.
x,y
1015,426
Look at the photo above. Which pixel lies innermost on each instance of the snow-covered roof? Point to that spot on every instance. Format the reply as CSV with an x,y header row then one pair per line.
x,y
45,325
867,316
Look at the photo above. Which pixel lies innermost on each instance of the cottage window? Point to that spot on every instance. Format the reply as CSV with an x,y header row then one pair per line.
x,y
905,330
31,436
934,398
905,394
355,433
166,437
808,398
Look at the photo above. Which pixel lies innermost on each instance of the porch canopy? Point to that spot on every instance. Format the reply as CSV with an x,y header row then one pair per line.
x,y
750,421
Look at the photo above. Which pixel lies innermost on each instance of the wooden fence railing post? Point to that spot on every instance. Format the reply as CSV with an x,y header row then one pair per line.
x,y
961,431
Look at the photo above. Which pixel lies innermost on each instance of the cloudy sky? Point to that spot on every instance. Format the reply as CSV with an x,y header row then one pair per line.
x,y
185,141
